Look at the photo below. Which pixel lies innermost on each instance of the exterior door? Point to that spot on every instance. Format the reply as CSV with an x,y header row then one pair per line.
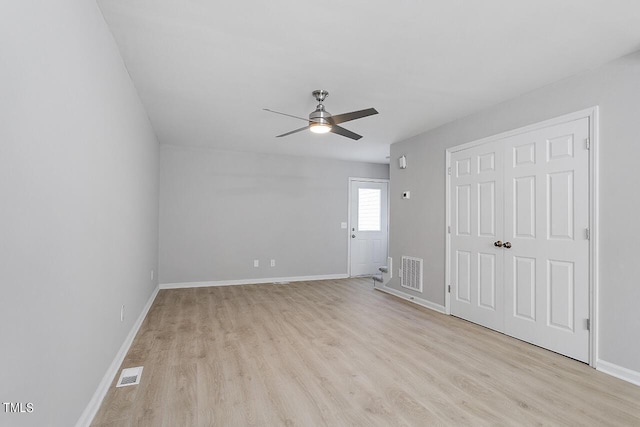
x,y
476,263
368,230
546,221
519,236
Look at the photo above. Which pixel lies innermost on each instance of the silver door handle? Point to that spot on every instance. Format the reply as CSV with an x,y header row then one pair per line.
x,y
353,236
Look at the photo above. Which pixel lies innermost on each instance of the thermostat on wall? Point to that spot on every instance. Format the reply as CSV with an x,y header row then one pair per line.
x,y
406,195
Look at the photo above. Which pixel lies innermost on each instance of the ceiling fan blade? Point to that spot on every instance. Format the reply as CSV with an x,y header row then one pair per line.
x,y
345,117
293,131
344,132
285,114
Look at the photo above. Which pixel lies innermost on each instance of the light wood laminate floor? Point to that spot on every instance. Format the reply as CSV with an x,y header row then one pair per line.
x,y
338,353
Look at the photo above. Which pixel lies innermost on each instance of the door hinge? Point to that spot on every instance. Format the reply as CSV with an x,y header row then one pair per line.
x,y
449,289
449,170
449,229
588,322
588,143
587,234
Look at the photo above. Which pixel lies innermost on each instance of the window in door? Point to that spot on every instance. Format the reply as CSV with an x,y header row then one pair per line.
x,y
369,209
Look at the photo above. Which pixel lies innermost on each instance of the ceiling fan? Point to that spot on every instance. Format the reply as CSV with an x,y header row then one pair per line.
x,y
321,121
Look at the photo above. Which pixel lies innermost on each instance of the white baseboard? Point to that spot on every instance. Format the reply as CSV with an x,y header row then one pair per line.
x,y
251,281
422,302
94,404
618,371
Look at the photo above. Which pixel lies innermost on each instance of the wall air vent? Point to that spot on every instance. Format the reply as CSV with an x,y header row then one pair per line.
x,y
130,376
411,273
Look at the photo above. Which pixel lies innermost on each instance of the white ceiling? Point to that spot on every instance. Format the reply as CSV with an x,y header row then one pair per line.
x,y
206,69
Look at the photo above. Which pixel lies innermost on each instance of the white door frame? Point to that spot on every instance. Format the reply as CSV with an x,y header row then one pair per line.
x,y
355,179
592,115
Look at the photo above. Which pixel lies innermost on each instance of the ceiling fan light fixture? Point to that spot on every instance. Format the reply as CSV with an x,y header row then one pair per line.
x,y
320,119
319,127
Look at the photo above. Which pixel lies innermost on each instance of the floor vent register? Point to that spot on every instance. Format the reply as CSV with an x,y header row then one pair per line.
x,y
130,376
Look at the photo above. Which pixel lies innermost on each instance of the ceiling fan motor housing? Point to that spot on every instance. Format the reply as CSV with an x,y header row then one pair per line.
x,y
320,116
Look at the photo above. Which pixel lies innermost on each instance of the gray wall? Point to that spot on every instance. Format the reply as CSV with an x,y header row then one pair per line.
x,y
78,207
220,210
418,225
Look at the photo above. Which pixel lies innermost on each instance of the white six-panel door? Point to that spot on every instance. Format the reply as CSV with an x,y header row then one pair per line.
x,y
476,223
529,192
546,218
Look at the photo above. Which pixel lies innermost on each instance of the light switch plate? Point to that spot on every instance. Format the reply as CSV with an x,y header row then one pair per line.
x,y
343,225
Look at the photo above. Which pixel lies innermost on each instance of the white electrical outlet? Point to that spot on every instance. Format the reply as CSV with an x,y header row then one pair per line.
x,y
273,263
122,313
256,263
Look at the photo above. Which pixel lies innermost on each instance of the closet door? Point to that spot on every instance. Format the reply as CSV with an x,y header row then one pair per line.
x,y
546,219
476,224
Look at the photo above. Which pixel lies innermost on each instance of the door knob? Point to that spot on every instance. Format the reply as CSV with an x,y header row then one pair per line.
x,y
507,245
353,236
497,243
